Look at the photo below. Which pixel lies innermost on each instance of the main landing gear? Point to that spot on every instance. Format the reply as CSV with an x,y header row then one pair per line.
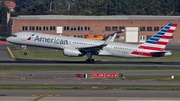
x,y
24,49
89,60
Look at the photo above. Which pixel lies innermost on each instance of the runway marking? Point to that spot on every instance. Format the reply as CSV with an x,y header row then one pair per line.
x,y
40,97
14,76
91,82
10,52
48,82
9,76
46,95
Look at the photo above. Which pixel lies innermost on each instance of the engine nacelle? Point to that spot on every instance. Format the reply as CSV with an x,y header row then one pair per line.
x,y
72,52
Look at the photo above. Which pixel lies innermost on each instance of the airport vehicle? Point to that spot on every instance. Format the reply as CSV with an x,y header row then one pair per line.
x,y
73,46
94,37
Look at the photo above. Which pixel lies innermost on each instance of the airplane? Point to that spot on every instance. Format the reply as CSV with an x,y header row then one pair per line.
x,y
76,47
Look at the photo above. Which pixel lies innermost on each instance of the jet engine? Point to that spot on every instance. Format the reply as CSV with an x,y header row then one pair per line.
x,y
72,52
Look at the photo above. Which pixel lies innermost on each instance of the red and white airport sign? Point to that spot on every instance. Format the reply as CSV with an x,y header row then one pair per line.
x,y
97,75
112,75
79,75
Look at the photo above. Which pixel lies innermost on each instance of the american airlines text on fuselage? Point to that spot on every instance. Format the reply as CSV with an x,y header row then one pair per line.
x,y
51,40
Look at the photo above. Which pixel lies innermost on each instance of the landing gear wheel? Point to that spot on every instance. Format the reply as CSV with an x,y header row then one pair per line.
x,y
89,56
25,53
89,60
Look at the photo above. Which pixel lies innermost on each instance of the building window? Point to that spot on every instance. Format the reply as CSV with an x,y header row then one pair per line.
x,y
73,28
40,28
114,28
24,28
142,28
149,28
156,28
121,37
31,28
107,28
142,38
45,28
37,28
86,28
80,28
147,37
66,28
80,36
121,28
52,28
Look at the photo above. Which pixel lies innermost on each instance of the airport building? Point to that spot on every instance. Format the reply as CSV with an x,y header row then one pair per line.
x,y
137,29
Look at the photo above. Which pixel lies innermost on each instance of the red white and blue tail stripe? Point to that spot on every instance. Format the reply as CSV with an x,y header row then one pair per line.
x,y
154,46
159,41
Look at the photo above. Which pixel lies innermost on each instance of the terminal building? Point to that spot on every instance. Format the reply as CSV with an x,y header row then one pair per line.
x,y
137,29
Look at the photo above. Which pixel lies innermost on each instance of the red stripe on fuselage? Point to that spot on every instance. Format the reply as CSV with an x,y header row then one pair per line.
x,y
141,53
151,48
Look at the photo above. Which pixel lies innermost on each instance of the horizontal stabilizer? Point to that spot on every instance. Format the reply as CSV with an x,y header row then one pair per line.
x,y
158,54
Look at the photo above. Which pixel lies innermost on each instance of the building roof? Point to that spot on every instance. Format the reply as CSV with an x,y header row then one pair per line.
x,y
112,17
10,3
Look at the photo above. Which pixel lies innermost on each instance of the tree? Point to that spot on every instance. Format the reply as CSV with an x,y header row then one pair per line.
x,y
3,12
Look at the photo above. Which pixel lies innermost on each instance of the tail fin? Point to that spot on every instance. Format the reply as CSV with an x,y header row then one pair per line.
x,y
159,41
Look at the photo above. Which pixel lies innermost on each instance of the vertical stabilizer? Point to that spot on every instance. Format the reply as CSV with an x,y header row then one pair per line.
x,y
159,41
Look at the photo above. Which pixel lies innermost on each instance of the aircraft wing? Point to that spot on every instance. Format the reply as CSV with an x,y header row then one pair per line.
x,y
95,48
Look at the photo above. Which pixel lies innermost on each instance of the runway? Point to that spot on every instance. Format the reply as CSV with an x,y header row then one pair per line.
x,y
94,93
69,78
83,63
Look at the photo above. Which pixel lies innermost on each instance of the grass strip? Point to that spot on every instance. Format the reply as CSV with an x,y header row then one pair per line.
x,y
153,78
79,68
55,87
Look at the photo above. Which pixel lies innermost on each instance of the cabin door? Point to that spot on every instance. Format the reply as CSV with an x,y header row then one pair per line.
x,y
24,37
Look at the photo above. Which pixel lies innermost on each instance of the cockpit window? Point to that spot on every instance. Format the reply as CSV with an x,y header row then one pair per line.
x,y
13,36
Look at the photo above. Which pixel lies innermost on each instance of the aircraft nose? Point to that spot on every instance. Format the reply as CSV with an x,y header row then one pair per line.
x,y
8,39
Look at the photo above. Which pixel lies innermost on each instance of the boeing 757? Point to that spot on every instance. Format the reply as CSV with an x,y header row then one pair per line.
x,y
76,47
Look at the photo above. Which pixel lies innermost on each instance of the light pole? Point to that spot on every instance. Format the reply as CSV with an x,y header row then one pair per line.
x,y
69,6
50,8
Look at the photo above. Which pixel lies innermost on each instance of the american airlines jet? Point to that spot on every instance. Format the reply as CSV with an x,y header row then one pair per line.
x,y
75,47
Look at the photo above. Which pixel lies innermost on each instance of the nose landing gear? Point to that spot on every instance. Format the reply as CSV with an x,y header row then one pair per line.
x,y
24,49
